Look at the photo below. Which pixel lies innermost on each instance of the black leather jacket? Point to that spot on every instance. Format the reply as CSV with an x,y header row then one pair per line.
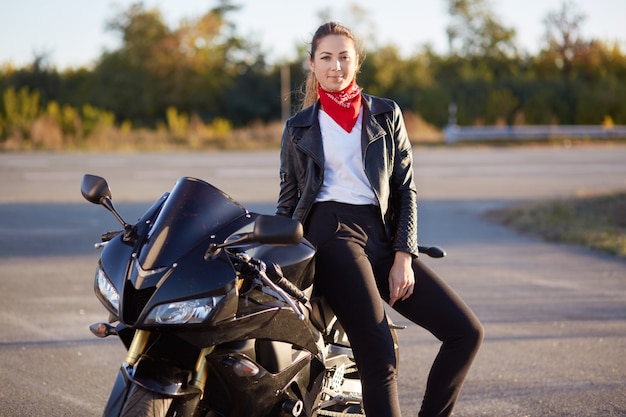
x,y
387,159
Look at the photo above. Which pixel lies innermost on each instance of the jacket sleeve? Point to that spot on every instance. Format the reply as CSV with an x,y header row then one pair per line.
x,y
288,195
404,193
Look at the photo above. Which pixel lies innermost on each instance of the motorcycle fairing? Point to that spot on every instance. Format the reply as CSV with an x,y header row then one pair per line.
x,y
192,277
275,322
160,268
193,211
247,396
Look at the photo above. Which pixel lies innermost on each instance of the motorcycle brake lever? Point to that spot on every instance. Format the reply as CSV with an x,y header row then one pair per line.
x,y
282,293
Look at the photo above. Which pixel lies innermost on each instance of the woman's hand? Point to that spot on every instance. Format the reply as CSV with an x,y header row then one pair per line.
x,y
401,278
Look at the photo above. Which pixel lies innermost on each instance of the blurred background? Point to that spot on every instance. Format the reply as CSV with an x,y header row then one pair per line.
x,y
226,74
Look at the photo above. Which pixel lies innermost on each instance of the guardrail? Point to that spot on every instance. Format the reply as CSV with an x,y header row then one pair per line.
x,y
457,133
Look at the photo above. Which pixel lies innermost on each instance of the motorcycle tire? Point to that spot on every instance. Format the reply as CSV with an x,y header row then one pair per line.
x,y
143,403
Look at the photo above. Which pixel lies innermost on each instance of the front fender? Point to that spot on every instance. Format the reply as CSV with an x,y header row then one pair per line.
x,y
118,395
155,376
160,377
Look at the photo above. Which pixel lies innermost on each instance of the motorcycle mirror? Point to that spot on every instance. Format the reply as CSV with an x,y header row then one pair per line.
x,y
95,189
277,230
268,229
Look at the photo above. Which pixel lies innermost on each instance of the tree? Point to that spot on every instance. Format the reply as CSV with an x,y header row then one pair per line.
x,y
563,35
191,67
39,76
475,31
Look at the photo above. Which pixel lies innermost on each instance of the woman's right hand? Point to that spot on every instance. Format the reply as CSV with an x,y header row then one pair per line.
x,y
401,278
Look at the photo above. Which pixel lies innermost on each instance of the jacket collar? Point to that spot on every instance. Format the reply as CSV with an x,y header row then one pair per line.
x,y
310,142
373,106
371,130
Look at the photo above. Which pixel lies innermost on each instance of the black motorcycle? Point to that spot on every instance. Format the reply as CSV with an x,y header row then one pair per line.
x,y
216,308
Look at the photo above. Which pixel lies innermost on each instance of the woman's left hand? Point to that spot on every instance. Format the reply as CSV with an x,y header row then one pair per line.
x,y
401,278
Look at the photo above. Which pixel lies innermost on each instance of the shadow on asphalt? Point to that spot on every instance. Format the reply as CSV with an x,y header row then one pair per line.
x,y
61,229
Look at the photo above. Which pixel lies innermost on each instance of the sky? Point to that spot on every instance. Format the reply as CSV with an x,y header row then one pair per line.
x,y
72,33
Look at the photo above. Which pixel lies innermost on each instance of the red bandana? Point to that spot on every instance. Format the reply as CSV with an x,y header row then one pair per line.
x,y
342,106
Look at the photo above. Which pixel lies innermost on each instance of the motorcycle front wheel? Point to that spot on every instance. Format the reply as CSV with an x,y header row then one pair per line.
x,y
144,403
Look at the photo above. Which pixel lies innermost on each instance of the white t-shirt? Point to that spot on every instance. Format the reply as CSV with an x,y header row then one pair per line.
x,y
344,177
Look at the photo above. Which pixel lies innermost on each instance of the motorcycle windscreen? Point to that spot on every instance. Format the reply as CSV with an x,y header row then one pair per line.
x,y
193,211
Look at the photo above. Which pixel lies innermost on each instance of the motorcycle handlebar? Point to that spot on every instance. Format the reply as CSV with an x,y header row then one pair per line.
x,y
109,235
275,274
432,251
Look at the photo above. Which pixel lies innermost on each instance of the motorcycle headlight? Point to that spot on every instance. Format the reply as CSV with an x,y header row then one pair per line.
x,y
183,312
106,292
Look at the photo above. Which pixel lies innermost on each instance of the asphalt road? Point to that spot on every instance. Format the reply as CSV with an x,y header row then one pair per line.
x,y
555,315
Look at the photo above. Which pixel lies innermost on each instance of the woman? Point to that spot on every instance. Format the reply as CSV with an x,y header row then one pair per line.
x,y
347,176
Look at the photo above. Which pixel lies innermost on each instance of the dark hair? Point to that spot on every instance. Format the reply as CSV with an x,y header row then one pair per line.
x,y
309,87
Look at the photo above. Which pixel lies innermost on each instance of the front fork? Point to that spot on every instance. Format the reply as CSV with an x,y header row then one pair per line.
x,y
134,371
138,347
202,370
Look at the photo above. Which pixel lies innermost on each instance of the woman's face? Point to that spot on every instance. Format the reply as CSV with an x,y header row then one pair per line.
x,y
335,62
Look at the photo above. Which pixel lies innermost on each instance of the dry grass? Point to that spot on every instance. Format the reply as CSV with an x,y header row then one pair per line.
x,y
180,133
421,131
597,222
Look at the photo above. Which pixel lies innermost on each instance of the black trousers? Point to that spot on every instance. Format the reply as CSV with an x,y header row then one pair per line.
x,y
353,262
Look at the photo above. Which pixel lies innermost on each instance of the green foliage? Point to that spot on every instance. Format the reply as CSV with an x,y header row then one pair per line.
x,y
190,68
500,105
475,31
20,109
177,124
192,78
23,119
94,118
